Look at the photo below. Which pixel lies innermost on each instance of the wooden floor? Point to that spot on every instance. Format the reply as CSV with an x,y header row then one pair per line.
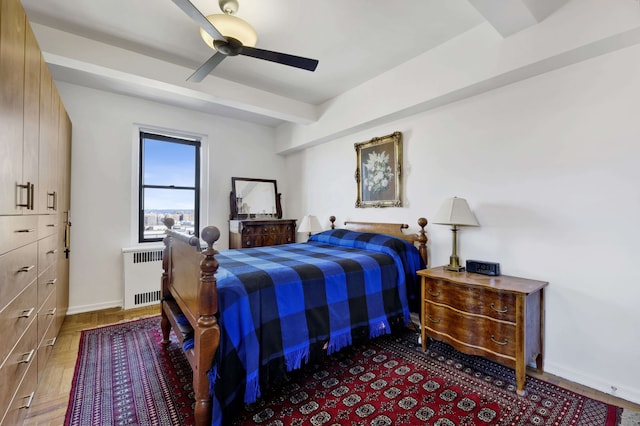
x,y
52,397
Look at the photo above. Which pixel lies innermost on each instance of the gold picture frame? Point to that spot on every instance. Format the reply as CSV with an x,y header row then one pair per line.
x,y
379,171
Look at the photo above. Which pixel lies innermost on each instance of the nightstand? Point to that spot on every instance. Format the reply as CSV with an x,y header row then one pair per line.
x,y
500,318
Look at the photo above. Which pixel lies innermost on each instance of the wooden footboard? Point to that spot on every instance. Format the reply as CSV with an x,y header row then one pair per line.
x,y
189,305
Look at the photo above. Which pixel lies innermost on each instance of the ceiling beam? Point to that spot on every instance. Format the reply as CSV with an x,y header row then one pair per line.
x,y
511,16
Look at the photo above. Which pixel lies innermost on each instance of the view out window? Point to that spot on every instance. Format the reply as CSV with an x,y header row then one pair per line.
x,y
169,185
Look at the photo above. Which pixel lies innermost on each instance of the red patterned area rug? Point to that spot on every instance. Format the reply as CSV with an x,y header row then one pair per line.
x,y
125,376
391,381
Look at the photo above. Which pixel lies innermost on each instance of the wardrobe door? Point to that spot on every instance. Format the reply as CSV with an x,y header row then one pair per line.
x,y
12,38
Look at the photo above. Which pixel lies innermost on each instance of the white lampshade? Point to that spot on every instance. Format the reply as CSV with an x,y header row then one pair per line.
x,y
310,225
455,211
231,26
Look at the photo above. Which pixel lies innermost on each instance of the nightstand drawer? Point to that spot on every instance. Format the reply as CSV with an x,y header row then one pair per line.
x,y
472,330
501,306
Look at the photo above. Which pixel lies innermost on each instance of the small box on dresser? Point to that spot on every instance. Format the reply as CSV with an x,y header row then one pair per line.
x,y
500,318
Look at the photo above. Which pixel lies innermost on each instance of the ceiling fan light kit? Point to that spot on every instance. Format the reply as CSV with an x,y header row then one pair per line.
x,y
231,36
230,26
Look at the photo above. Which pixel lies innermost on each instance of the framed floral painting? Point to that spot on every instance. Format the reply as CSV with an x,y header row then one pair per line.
x,y
379,171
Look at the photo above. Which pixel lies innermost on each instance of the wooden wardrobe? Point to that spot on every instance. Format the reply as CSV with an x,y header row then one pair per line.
x,y
35,156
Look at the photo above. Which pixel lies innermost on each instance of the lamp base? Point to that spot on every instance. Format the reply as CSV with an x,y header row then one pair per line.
x,y
454,262
454,268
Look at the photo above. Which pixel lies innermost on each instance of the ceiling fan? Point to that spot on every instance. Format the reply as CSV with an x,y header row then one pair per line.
x,y
239,39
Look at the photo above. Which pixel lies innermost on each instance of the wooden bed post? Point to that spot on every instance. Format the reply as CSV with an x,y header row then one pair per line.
x,y
207,334
422,240
164,288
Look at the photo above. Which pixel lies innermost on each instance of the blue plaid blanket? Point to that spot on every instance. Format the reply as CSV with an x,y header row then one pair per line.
x,y
280,305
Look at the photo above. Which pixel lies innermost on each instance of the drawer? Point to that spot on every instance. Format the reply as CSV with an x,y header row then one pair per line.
x,y
47,283
493,304
46,347
18,269
17,231
15,367
47,225
16,318
472,330
46,315
47,252
24,396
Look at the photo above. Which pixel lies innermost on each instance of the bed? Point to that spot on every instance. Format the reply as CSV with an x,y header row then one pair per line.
x,y
247,317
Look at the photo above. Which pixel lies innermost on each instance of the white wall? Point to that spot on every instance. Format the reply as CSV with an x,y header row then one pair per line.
x,y
103,134
550,167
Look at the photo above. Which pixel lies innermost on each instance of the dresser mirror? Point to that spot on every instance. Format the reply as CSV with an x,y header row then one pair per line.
x,y
254,199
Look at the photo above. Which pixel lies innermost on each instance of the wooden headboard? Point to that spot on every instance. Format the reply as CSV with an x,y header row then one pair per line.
x,y
393,229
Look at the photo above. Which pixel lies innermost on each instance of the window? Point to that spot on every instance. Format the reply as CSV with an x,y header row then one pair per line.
x,y
169,185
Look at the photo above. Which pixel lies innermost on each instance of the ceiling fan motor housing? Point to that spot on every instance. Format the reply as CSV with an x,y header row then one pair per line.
x,y
231,47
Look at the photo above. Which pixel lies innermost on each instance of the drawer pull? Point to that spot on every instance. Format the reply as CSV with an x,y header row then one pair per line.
x,y
436,321
27,357
54,251
51,311
436,294
29,399
52,342
25,230
26,268
51,225
504,342
26,313
500,311
51,282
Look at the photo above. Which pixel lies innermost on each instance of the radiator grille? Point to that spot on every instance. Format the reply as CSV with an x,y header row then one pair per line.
x,y
142,274
148,297
147,256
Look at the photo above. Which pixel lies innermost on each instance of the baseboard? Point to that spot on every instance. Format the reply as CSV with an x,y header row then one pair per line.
x,y
94,307
597,383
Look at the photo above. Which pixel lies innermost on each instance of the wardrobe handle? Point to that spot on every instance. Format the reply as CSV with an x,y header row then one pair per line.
x,y
25,230
30,193
26,268
29,399
52,341
27,357
28,186
54,200
51,282
26,313
54,251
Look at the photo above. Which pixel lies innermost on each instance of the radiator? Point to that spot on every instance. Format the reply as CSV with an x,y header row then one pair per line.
x,y
142,274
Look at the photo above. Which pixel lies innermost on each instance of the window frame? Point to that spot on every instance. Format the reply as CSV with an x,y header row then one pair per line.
x,y
183,140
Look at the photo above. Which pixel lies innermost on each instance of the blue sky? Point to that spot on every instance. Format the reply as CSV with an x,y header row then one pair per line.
x,y
168,163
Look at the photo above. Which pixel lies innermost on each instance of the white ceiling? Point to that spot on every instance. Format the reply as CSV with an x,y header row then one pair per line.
x,y
353,40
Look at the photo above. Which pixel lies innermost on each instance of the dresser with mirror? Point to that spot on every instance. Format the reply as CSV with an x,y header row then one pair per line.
x,y
256,215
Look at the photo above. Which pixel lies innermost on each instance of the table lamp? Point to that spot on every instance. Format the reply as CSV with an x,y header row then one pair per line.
x,y
309,224
455,212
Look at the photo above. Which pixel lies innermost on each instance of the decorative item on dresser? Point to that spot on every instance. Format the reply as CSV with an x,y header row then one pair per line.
x,y
35,150
500,318
455,212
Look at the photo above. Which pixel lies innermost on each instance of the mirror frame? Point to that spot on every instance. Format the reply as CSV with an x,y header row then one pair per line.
x,y
233,206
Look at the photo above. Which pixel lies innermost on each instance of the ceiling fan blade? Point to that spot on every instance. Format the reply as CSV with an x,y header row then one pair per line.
x,y
281,58
188,8
206,68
